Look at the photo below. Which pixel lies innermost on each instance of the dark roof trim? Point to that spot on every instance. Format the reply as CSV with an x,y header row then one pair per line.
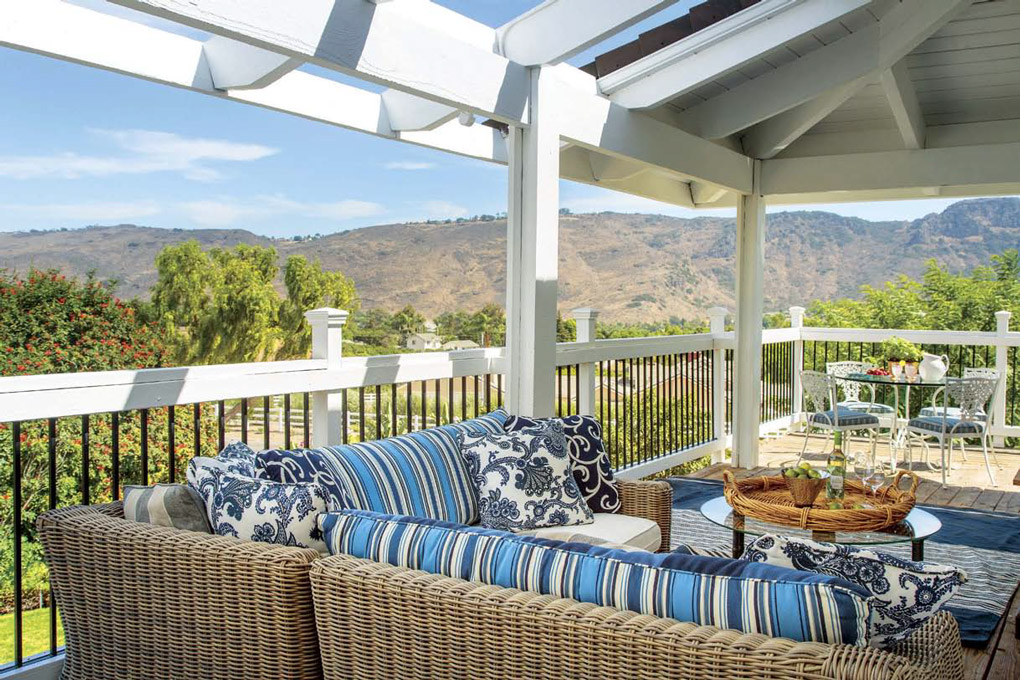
x,y
698,17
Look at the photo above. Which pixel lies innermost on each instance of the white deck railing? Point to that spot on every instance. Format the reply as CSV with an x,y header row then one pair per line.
x,y
24,398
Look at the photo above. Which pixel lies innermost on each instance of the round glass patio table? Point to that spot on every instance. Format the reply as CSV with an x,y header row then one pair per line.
x,y
915,528
898,430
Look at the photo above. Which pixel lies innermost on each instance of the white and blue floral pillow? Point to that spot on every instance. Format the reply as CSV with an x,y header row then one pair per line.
x,y
236,458
524,479
589,459
261,510
905,594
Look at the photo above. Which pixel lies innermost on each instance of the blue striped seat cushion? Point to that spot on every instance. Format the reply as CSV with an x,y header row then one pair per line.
x,y
726,593
953,425
951,411
420,473
866,407
847,418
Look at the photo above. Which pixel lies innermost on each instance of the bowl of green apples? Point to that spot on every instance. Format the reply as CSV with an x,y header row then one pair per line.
x,y
804,482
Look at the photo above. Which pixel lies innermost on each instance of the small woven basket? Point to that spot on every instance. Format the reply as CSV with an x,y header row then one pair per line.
x,y
769,499
805,491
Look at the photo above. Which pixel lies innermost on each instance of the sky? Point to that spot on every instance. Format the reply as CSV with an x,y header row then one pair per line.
x,y
82,146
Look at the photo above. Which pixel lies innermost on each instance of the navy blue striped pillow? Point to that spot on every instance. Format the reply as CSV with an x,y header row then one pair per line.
x,y
420,473
726,593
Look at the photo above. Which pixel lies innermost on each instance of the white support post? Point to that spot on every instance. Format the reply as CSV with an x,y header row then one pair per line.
x,y
327,333
750,304
717,326
1002,366
797,321
532,253
586,318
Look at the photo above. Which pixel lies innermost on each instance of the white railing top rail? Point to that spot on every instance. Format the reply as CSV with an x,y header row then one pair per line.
x,y
70,394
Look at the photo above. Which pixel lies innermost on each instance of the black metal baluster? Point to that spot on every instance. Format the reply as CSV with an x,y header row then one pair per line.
x,y
244,420
196,424
286,422
171,438
345,425
424,410
393,410
307,425
265,422
85,464
439,405
408,405
463,397
378,412
449,405
52,480
221,425
488,393
628,439
115,455
577,390
16,493
361,414
499,390
477,403
144,443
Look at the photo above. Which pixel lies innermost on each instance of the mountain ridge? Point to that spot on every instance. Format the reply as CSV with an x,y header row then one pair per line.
x,y
633,267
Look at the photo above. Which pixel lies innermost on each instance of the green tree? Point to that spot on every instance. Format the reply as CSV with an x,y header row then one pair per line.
x,y
309,286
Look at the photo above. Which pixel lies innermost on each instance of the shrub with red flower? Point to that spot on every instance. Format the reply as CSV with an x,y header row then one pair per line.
x,y
82,326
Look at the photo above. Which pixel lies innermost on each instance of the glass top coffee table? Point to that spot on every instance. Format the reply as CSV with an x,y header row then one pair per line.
x,y
915,528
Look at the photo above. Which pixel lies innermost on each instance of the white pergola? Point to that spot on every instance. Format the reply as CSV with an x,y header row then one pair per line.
x,y
783,101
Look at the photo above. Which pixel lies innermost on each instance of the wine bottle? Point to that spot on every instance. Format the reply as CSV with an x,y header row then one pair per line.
x,y
836,465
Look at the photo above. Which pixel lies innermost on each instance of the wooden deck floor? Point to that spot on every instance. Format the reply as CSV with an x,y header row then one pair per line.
x,y
1001,660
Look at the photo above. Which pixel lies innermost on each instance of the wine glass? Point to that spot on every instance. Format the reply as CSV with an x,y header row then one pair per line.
x,y
861,466
910,371
897,370
877,476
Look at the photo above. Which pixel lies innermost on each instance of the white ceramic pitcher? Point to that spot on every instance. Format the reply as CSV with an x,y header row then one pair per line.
x,y
933,367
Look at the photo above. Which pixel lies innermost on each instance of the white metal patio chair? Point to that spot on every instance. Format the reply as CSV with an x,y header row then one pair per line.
x,y
852,389
971,396
825,413
936,407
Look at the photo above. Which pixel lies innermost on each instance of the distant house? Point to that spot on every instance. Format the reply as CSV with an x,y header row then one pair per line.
x,y
423,341
459,344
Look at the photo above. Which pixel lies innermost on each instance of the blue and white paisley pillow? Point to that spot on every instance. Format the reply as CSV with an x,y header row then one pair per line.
x,y
260,510
524,479
236,458
905,594
589,459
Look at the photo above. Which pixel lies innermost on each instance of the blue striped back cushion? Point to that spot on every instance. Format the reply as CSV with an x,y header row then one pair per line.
x,y
420,473
725,593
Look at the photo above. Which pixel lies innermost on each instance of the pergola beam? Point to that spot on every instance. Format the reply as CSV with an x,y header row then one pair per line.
x,y
899,90
713,51
988,164
558,29
400,45
863,55
409,112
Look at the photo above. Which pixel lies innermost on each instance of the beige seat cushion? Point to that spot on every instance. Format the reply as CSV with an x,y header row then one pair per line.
x,y
636,532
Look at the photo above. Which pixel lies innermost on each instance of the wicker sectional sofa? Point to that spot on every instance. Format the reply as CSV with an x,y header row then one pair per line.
x,y
139,601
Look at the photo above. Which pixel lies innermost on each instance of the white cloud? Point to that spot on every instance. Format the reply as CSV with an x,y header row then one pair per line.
x,y
409,165
146,151
83,212
226,211
439,210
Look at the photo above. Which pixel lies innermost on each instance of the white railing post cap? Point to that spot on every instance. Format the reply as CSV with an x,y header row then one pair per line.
x,y
583,313
328,315
797,316
718,311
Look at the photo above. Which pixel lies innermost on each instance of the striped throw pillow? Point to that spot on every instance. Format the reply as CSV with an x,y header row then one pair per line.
x,y
420,473
177,506
726,593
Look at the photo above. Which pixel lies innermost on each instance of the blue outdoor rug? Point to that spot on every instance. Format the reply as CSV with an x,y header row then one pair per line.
x,y
985,544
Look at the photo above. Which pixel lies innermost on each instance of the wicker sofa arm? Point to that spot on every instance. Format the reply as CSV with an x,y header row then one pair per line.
x,y
380,621
936,648
649,499
141,601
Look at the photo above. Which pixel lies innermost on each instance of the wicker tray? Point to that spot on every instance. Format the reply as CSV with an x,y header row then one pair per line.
x,y
769,499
